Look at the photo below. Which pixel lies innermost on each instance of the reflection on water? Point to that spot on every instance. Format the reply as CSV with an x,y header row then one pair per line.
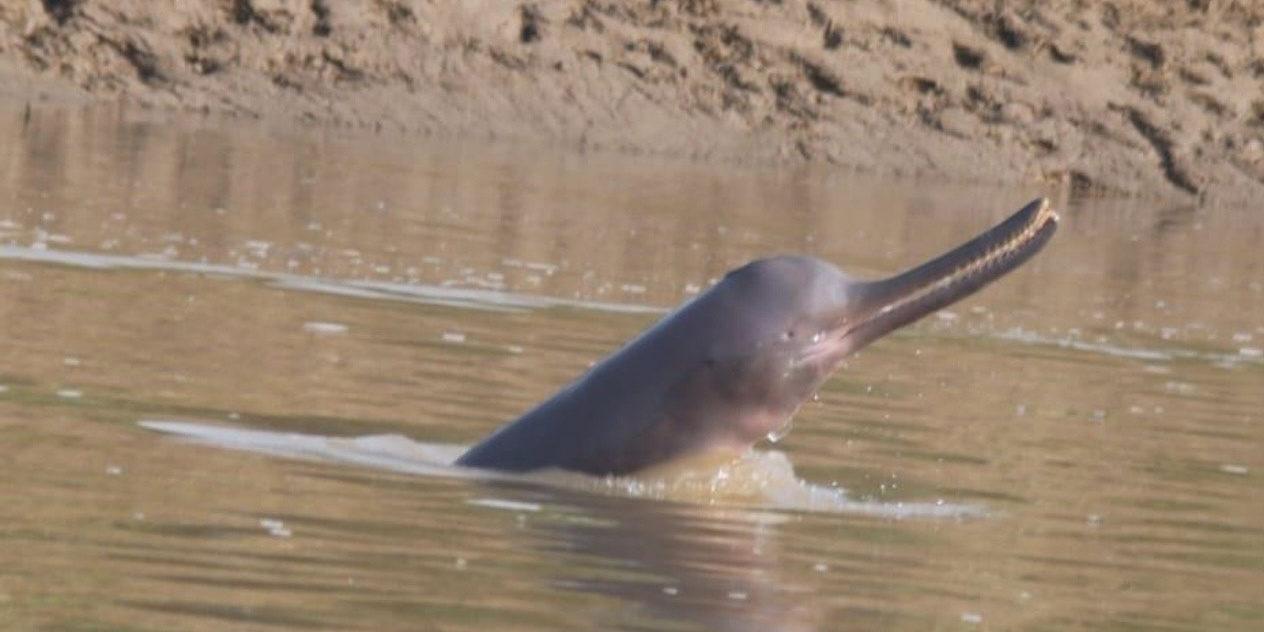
x,y
669,563
1102,403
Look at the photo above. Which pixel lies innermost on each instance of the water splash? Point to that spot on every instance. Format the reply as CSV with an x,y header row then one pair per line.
x,y
763,479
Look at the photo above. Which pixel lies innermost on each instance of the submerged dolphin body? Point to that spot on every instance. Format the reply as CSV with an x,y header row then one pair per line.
x,y
737,361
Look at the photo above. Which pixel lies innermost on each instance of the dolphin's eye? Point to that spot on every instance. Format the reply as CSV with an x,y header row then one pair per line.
x,y
788,335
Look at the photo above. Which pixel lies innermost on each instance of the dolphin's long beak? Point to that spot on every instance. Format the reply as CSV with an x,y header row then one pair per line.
x,y
879,307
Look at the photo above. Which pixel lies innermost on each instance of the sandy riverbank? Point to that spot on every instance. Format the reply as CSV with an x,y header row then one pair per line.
x,y
1126,96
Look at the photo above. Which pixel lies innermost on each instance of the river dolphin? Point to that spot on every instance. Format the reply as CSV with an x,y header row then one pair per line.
x,y
735,363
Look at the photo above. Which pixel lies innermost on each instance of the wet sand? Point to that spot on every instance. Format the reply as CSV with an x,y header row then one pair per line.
x,y
1126,97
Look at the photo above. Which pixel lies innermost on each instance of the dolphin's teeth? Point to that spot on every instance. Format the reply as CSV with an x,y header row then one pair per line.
x,y
992,256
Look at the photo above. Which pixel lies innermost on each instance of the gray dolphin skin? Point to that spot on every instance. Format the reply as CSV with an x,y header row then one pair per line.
x,y
737,361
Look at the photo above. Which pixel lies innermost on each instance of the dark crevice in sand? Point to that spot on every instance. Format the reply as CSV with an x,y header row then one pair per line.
x,y
1162,144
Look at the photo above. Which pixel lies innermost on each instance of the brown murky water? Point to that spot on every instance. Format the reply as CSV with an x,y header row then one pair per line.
x,y
1102,407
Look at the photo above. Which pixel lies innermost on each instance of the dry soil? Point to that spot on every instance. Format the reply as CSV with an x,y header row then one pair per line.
x,y
1140,97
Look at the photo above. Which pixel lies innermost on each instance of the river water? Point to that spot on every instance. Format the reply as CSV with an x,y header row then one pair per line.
x,y
1079,447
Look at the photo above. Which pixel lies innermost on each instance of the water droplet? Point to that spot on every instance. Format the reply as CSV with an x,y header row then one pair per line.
x,y
275,527
781,432
325,328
